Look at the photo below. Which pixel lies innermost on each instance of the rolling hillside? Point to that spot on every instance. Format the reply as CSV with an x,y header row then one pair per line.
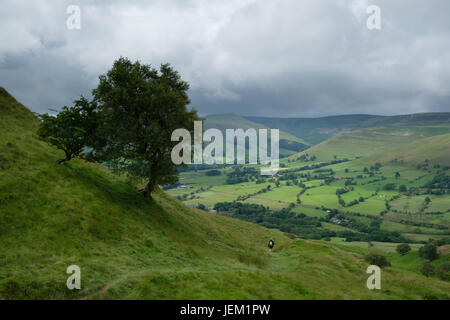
x,y
53,216
365,142
289,144
316,130
434,149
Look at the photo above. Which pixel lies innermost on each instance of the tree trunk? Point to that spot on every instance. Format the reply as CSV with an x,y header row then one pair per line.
x,y
147,191
59,161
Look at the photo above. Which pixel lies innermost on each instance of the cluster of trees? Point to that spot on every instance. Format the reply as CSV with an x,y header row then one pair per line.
x,y
374,235
309,227
423,224
301,192
366,231
242,174
375,167
260,180
425,165
429,253
371,181
341,191
440,181
377,258
203,207
317,165
403,248
171,186
285,220
246,196
372,170
192,195
390,186
305,157
128,123
355,202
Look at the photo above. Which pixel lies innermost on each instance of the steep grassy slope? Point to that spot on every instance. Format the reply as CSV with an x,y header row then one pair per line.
x,y
53,216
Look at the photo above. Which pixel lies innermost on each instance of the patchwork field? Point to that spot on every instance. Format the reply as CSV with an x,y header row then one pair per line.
x,y
400,198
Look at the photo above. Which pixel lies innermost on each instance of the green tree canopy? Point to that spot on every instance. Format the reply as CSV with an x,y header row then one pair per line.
x,y
377,258
70,129
403,248
427,269
138,108
444,271
429,252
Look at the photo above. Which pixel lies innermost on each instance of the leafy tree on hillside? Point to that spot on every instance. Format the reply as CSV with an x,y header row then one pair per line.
x,y
377,259
389,186
139,107
427,269
403,248
70,129
429,252
444,271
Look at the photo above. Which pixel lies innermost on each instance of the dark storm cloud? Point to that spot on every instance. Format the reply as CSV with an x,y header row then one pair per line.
x,y
250,57
43,81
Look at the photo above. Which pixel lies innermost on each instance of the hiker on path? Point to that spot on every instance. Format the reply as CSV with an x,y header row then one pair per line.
x,y
271,244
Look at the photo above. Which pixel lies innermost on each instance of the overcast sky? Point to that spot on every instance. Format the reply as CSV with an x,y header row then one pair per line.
x,y
281,58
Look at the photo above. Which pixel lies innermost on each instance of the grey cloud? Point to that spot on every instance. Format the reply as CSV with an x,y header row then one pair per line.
x,y
250,57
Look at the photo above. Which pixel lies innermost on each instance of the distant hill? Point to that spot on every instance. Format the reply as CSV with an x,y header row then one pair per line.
x,y
53,216
316,130
366,142
434,149
289,144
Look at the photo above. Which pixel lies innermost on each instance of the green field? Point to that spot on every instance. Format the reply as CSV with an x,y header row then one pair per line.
x,y
382,246
367,191
369,187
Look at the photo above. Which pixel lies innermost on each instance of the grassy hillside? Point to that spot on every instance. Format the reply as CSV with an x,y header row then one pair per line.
x,y
365,142
53,216
316,130
435,149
